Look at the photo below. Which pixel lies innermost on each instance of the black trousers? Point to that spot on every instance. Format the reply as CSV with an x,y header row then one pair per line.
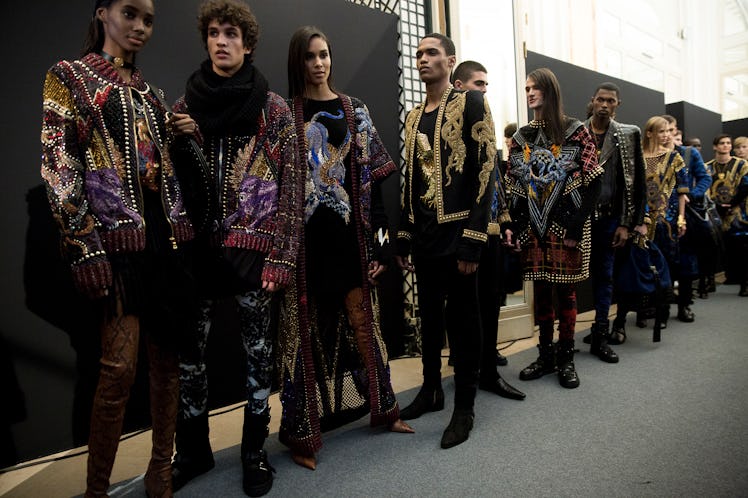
x,y
490,294
449,300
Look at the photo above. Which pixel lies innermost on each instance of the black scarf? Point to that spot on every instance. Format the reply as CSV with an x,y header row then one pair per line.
x,y
226,106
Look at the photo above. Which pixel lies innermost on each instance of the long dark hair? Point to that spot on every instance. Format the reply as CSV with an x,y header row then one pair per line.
x,y
94,41
552,111
297,49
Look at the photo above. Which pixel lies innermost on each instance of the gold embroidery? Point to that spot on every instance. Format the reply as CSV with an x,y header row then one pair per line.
x,y
483,134
452,134
428,168
472,234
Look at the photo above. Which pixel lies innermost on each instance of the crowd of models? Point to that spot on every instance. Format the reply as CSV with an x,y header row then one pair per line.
x,y
238,194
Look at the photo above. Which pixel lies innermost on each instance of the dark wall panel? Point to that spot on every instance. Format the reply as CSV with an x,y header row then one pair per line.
x,y
697,122
736,127
43,367
578,84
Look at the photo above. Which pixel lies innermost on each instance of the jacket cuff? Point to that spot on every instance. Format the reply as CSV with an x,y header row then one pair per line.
x,y
92,275
277,272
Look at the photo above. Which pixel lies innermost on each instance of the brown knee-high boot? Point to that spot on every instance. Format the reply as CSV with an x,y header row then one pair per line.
x,y
119,355
164,396
354,306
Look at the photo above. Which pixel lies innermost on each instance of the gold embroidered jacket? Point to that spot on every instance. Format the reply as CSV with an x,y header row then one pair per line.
x,y
457,168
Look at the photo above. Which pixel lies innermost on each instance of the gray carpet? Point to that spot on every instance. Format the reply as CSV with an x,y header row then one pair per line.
x,y
669,420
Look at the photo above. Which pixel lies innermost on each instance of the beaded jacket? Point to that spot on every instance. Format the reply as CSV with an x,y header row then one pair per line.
x,y
257,188
552,190
90,164
458,169
622,150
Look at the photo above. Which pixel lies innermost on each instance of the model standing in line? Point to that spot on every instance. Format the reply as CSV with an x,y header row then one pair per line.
x,y
333,362
667,189
247,135
729,191
471,75
450,150
553,184
113,190
686,269
619,209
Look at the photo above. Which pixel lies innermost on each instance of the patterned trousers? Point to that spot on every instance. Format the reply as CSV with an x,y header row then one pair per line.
x,y
544,312
254,312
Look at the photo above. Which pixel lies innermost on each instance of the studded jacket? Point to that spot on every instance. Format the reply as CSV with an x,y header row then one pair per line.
x,y
258,186
90,164
622,151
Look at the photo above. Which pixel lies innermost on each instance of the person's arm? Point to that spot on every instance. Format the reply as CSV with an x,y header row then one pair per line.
x,y
64,171
640,181
281,261
478,168
701,178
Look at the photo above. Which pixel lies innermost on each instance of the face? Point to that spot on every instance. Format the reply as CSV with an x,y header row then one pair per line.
x,y
663,135
604,104
672,128
742,150
434,65
696,143
508,142
724,146
678,138
128,25
477,81
317,62
534,95
225,48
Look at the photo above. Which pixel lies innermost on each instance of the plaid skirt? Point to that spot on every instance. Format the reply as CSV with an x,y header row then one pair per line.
x,y
548,259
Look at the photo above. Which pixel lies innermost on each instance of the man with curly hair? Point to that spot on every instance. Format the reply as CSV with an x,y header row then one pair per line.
x,y
248,249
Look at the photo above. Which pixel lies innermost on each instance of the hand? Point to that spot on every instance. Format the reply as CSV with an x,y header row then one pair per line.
x,y
620,236
641,229
681,230
403,262
271,286
509,241
569,242
375,269
467,267
182,124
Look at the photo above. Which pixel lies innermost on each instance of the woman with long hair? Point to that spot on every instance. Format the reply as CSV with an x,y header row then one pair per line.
x,y
111,185
331,347
667,189
553,183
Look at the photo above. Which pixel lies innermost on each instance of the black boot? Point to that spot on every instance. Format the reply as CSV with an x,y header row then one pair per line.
x,y
567,374
258,473
194,455
501,387
427,400
545,364
743,290
685,314
599,345
459,427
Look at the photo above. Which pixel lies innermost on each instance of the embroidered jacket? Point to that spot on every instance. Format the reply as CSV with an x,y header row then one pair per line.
x,y
622,151
667,179
548,184
301,364
90,164
258,187
463,155
730,188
